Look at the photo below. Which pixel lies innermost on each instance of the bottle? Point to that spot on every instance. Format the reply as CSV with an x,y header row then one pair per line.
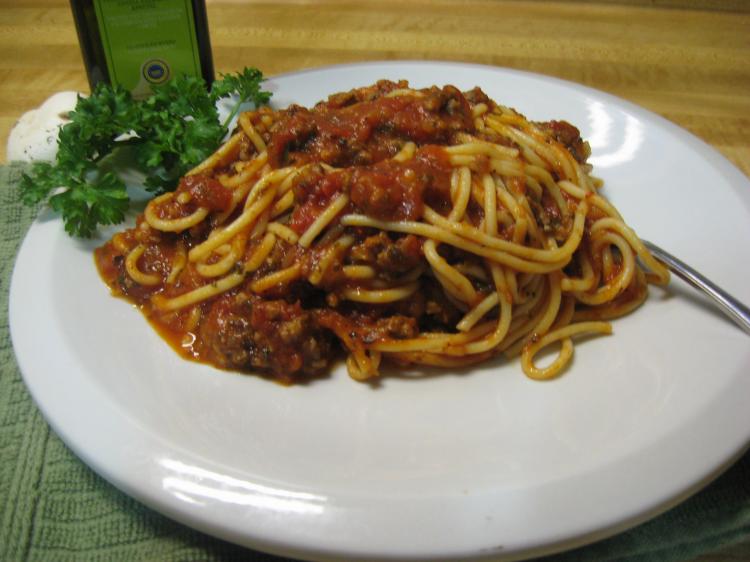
x,y
141,43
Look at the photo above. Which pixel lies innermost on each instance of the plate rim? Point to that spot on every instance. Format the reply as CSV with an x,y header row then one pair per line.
x,y
275,546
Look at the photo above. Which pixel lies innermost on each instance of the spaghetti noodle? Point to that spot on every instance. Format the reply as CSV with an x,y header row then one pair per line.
x,y
428,227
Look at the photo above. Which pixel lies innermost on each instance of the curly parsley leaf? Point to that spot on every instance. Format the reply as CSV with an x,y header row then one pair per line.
x,y
247,86
170,132
179,127
87,204
37,186
96,123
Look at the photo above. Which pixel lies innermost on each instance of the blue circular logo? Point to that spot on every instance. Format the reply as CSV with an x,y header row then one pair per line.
x,y
156,71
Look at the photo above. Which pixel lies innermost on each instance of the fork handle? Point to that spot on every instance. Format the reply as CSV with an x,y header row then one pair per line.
x,y
733,308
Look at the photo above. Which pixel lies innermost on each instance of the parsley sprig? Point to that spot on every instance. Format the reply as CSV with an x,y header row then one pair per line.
x,y
169,133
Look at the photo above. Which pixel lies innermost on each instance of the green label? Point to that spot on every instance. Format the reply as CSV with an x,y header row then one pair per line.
x,y
147,42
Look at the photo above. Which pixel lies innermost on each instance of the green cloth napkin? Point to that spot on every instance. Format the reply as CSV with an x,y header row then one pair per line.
x,y
54,508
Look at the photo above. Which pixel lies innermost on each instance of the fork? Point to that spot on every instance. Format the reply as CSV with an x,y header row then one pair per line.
x,y
729,305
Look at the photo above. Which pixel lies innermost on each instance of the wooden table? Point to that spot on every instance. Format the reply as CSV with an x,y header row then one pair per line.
x,y
691,65
686,60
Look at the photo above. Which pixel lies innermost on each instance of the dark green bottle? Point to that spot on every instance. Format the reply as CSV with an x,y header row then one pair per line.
x,y
139,43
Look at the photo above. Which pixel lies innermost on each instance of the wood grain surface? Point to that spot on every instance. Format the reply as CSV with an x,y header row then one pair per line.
x,y
688,60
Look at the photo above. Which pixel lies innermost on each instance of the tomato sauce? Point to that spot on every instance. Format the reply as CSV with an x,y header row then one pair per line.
x,y
342,146
205,192
368,131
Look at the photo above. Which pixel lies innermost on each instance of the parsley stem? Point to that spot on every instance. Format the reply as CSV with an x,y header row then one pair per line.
x,y
232,115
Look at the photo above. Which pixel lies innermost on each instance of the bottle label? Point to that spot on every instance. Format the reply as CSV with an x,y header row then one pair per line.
x,y
147,42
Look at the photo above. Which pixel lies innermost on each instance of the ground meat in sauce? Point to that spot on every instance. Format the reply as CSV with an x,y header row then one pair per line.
x,y
388,191
476,96
270,336
359,328
283,255
392,257
548,213
205,192
394,191
440,314
364,127
357,95
570,137
290,332
313,190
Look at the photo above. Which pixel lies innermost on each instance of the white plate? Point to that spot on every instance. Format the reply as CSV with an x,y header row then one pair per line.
x,y
482,462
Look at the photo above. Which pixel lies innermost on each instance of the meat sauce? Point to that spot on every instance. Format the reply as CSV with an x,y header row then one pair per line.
x,y
569,136
388,190
205,192
293,334
367,126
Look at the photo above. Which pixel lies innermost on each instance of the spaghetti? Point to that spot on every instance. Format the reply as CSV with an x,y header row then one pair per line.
x,y
429,227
